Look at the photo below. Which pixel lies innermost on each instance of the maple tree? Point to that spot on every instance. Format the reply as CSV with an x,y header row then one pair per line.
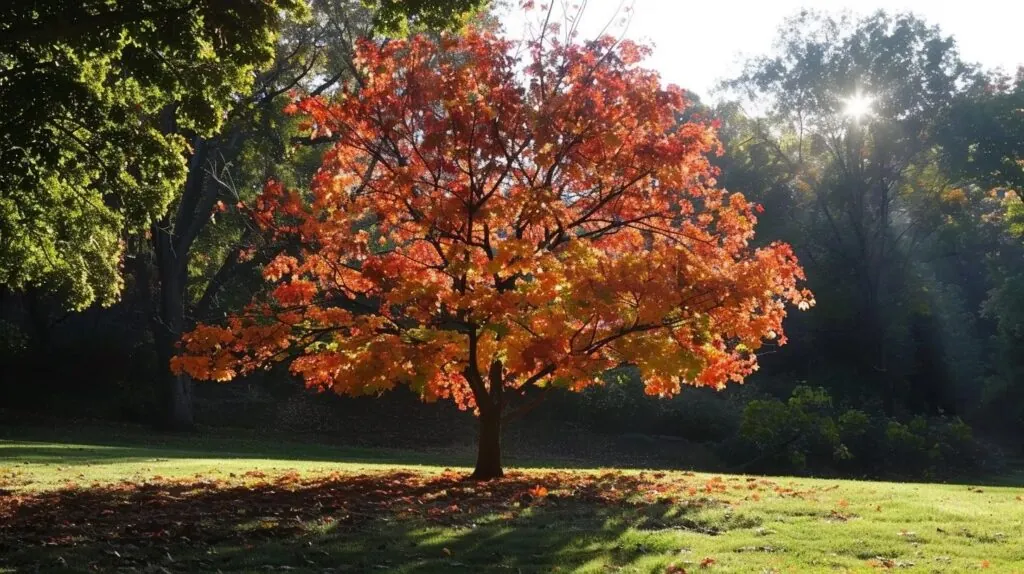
x,y
489,224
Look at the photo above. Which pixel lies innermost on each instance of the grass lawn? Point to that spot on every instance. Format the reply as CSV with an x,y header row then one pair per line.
x,y
87,500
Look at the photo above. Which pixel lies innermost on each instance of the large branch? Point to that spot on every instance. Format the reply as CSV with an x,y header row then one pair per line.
x,y
231,266
473,377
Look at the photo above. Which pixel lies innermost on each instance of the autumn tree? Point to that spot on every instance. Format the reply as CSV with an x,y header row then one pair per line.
x,y
490,223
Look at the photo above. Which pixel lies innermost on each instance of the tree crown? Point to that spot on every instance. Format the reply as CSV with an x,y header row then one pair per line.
x,y
489,221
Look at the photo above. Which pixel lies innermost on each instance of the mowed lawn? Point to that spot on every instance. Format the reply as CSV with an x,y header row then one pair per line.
x,y
80,501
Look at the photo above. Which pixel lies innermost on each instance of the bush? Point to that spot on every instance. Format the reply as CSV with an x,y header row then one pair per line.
x,y
620,406
807,434
793,435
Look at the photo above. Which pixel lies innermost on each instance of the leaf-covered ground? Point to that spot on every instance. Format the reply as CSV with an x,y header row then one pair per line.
x,y
171,509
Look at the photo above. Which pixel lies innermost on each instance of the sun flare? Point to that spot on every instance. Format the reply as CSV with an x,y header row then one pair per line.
x,y
857,106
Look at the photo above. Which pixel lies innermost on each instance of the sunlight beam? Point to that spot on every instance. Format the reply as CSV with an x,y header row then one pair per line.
x,y
857,106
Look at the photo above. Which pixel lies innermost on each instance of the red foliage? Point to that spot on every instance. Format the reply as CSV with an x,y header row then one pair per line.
x,y
488,223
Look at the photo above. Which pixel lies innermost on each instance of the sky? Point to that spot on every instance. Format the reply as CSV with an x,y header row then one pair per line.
x,y
698,43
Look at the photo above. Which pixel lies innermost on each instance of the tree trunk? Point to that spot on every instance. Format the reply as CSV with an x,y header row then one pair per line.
x,y
176,401
488,458
174,391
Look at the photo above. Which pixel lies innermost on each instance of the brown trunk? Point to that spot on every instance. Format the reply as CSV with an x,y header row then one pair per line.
x,y
177,402
488,458
174,392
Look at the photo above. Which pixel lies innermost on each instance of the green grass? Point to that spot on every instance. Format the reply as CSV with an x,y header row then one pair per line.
x,y
52,458
86,500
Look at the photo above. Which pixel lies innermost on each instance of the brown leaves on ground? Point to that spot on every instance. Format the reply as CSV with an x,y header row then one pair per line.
x,y
161,514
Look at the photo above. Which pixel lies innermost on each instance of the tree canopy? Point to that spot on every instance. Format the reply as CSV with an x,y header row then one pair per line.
x,y
402,16
98,100
982,137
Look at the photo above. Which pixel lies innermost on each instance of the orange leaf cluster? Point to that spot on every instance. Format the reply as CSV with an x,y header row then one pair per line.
x,y
489,222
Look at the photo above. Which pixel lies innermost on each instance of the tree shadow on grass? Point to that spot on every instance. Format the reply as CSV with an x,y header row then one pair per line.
x,y
75,454
398,521
111,444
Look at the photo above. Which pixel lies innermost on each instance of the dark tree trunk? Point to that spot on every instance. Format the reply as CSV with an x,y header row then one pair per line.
x,y
174,392
488,458
172,241
176,399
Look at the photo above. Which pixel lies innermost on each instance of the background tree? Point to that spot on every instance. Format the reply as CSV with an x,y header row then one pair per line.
x,y
481,233
846,155
982,144
96,98
400,17
982,137
223,169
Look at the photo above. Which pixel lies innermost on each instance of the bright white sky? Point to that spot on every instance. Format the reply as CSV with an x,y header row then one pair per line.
x,y
698,42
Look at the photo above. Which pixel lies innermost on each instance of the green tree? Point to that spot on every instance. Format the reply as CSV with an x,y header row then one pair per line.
x,y
982,149
98,100
845,156
982,137
398,17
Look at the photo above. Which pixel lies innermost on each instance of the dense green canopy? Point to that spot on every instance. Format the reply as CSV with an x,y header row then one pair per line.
x,y
96,100
983,137
398,16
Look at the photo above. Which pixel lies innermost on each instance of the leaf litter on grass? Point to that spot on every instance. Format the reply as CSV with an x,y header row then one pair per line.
x,y
219,521
144,522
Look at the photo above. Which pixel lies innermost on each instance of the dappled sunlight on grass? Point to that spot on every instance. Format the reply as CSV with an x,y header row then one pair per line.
x,y
423,516
184,510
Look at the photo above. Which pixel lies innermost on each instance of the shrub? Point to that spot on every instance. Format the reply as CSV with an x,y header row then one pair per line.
x,y
807,433
697,414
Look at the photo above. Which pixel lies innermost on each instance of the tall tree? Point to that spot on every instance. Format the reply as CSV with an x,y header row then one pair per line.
x,y
95,98
220,172
848,136
488,226
982,140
